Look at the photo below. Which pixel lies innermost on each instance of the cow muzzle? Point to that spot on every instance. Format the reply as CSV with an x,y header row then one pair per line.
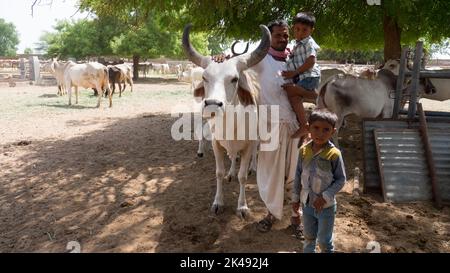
x,y
212,107
213,103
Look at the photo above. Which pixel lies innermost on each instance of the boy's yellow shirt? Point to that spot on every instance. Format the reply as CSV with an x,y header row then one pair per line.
x,y
330,152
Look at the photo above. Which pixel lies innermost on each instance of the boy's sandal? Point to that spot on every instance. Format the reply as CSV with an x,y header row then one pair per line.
x,y
265,225
297,231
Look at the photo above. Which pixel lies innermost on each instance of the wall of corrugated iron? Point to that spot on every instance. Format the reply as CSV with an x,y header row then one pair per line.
x,y
403,165
372,179
440,146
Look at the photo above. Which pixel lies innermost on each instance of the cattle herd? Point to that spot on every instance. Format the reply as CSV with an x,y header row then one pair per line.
x,y
102,78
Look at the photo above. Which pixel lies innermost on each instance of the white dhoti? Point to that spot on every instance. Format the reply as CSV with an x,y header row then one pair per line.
x,y
277,168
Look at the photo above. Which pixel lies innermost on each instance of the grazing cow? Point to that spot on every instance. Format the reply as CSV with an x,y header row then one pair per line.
x,y
57,70
228,84
345,95
161,68
144,68
89,75
120,74
128,74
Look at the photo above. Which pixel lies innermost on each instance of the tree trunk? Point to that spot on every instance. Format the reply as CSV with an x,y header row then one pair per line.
x,y
392,36
136,67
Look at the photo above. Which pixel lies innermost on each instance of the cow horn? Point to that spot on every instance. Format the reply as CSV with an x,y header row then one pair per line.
x,y
191,53
233,50
258,55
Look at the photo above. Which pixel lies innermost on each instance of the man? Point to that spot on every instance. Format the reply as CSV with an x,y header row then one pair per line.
x,y
276,168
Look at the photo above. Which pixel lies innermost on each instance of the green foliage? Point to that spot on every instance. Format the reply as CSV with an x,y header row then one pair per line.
x,y
9,39
343,25
28,51
81,39
106,36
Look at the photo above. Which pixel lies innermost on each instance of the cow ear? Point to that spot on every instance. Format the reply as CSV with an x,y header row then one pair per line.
x,y
199,90
245,96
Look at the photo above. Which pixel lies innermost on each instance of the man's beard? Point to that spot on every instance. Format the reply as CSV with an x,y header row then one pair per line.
x,y
280,48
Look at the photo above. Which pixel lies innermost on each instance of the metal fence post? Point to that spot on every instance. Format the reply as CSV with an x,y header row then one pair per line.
x,y
413,91
400,81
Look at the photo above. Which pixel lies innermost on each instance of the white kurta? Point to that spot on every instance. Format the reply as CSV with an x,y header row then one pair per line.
x,y
276,168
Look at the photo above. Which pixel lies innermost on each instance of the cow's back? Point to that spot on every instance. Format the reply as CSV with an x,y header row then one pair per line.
x,y
87,75
351,95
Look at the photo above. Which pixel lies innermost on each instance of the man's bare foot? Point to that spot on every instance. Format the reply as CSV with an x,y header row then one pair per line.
x,y
300,132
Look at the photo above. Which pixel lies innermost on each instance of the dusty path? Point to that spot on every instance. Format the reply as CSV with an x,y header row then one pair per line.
x,y
114,180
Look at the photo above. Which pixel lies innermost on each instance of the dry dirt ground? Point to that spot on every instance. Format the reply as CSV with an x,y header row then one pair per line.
x,y
115,181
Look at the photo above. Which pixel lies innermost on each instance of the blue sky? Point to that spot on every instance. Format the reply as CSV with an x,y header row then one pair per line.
x,y
30,28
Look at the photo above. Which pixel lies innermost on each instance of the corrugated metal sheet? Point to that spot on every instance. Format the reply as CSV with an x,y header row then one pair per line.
x,y
403,166
372,180
440,146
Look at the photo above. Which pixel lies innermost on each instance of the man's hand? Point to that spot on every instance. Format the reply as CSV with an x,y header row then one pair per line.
x,y
319,203
220,58
289,74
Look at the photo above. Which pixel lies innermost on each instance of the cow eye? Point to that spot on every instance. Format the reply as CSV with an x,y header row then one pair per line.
x,y
204,79
234,80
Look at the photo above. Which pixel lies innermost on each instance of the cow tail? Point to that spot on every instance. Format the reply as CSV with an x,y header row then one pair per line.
x,y
321,98
106,81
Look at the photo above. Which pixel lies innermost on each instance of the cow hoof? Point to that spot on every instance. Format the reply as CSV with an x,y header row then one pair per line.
x,y
217,209
243,212
229,177
200,155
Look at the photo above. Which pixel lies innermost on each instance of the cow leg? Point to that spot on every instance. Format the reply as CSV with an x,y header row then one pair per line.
x,y
76,94
201,148
202,138
120,89
100,94
254,161
232,172
130,81
339,123
219,153
242,209
110,96
70,95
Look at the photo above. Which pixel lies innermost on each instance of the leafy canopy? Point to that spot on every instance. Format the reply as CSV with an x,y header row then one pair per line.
x,y
9,39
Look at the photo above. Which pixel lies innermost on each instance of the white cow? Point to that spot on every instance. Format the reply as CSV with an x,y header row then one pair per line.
x,y
89,75
161,68
57,70
438,90
345,95
226,84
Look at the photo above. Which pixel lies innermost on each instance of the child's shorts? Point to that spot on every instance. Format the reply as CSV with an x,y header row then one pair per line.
x,y
311,83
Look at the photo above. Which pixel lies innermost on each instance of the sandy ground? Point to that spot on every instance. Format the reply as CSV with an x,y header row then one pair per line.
x,y
115,181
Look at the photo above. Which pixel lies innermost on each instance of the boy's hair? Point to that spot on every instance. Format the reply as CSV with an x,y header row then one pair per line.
x,y
323,115
277,23
305,18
